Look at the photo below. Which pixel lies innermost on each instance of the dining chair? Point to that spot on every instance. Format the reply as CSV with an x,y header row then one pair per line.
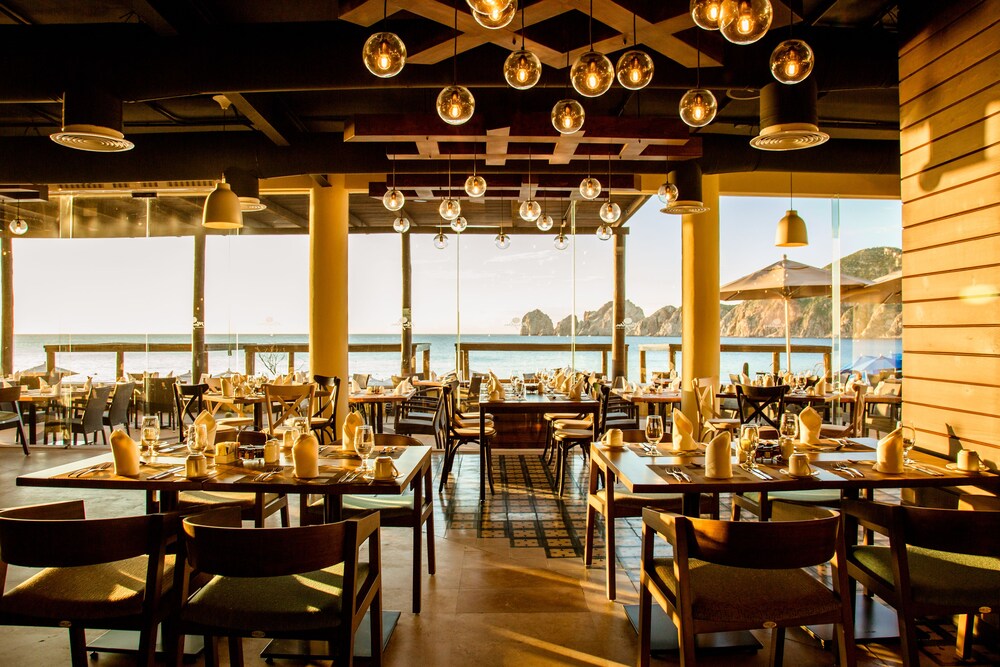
x,y
458,435
725,575
159,398
89,418
324,419
569,433
362,379
94,573
761,405
422,414
287,401
305,582
882,417
855,427
117,414
190,401
710,419
10,414
414,509
939,562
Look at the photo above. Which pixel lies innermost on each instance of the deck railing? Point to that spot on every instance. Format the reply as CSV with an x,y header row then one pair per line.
x,y
776,351
603,348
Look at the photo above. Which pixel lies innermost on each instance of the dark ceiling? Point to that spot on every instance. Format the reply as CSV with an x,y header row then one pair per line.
x,y
303,103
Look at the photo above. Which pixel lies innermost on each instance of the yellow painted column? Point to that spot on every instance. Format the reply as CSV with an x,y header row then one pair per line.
x,y
700,293
328,326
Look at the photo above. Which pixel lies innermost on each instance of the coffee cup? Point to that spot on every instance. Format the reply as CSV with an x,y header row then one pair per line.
x,y
968,460
614,438
787,445
272,451
385,468
798,465
196,466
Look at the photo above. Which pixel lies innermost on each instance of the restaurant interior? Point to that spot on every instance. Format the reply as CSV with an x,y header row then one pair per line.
x,y
599,510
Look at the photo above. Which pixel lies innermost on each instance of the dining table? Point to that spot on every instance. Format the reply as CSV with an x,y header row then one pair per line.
x,y
32,398
373,404
256,400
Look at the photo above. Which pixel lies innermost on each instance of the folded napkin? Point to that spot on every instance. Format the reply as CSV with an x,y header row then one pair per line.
x,y
810,424
719,457
402,388
889,452
351,424
42,384
557,380
849,387
683,432
745,379
88,385
227,386
675,384
355,387
125,452
305,456
768,380
208,421
639,390
576,390
880,389
821,387
434,376
789,379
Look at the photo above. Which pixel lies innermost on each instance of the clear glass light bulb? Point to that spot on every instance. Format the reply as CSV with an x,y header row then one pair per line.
x,y
440,241
610,212
459,224
393,199
502,241
698,107
604,232
706,13
667,193
455,105
401,224
590,188
592,74
496,17
450,209
634,70
18,226
384,54
529,210
567,116
522,69
475,186
560,242
544,223
792,61
745,21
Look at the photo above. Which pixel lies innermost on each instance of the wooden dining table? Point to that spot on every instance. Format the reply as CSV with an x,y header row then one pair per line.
x,y
32,398
255,400
374,404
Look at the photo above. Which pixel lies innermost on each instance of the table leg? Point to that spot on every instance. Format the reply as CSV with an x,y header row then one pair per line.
x,y
378,417
333,507
32,431
258,416
482,458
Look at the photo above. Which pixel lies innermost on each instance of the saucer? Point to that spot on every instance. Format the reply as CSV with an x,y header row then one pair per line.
x,y
954,466
608,445
303,478
877,469
812,473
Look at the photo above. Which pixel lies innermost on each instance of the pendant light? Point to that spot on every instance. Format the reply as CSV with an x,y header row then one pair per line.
x,y
667,192
610,211
475,185
18,226
393,199
440,240
450,208
792,60
635,67
604,231
706,13
560,241
698,105
487,6
592,73
401,224
455,103
590,187
222,208
529,210
686,178
791,232
568,116
498,17
745,21
545,221
502,241
522,69
384,54
459,224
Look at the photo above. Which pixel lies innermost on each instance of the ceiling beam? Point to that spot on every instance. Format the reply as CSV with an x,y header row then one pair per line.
x,y
267,122
285,212
152,17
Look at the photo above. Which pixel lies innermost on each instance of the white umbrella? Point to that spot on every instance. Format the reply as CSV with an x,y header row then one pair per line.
x,y
786,280
885,289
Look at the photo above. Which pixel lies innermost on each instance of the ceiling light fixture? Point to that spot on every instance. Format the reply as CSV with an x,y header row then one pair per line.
x,y
440,240
791,232
92,121
560,241
545,222
459,224
222,208
529,210
18,226
745,21
568,116
788,118
667,193
401,224
247,187
590,187
450,208
488,6
635,67
475,185
498,17
610,211
592,73
698,106
502,241
455,103
686,178
393,199
384,54
792,60
604,231
706,13
522,69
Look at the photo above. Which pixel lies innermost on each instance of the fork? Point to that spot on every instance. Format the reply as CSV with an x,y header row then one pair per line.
x,y
678,471
841,467
86,471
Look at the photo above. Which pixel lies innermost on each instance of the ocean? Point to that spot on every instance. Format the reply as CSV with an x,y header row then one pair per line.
x,y
29,352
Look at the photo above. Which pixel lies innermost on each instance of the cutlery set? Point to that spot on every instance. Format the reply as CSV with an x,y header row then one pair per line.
x,y
86,471
169,472
925,470
847,470
677,473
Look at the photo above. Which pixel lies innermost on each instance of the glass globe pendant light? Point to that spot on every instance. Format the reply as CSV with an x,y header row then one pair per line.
x,y
459,224
522,69
604,232
384,53
590,187
502,240
18,226
455,103
393,199
592,73
698,106
610,211
487,6
450,208
475,185
544,223
561,242
440,240
792,61
401,224
745,21
635,68
706,13
498,17
529,210
568,116
667,193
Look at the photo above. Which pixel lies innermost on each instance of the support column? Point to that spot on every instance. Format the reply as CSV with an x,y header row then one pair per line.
x,y
619,364
700,289
406,361
328,223
7,309
199,358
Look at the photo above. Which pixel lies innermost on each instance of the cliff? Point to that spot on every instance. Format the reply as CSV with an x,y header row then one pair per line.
x,y
536,323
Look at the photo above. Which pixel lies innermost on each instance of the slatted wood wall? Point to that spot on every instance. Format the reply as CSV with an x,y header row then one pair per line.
x,y
949,93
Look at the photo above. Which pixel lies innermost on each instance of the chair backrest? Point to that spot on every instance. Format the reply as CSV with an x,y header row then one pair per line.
x,y
287,401
93,411
704,392
9,397
29,381
955,531
327,405
362,379
394,440
190,399
249,437
118,410
160,394
761,404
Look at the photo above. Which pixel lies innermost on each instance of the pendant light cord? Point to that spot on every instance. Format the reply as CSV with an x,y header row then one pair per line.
x,y
698,69
385,15
529,172
522,27
454,61
590,25
791,204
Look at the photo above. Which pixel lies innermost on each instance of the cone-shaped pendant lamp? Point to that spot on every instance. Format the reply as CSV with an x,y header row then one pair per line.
x,y
222,209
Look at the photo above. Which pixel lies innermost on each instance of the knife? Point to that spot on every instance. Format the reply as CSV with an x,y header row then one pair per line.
x,y
758,473
926,471
166,473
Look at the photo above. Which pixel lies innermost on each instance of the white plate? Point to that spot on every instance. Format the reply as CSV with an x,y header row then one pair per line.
x,y
605,445
812,473
876,468
954,466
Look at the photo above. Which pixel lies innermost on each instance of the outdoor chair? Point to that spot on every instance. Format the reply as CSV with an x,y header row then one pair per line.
x,y
287,401
705,586
10,415
159,398
190,401
761,405
95,573
89,418
422,414
362,379
883,417
457,435
855,427
710,419
117,414
324,420
306,583
939,562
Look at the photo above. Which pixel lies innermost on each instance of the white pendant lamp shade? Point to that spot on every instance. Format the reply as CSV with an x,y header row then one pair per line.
x,y
401,224
568,116
592,74
393,199
522,69
475,186
498,17
18,226
530,210
604,232
455,105
440,241
502,240
459,224
745,21
450,208
791,232
792,61
634,69
667,193
706,13
222,209
384,54
560,242
544,223
590,188
698,107
610,212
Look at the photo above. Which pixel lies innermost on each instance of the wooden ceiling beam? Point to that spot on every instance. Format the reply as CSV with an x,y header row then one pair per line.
x,y
267,123
285,212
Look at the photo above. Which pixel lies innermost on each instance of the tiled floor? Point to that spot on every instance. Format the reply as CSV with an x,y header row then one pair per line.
x,y
510,587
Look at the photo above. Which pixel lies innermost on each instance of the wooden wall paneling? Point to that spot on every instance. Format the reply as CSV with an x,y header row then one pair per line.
x,y
955,117
958,88
950,340
971,398
976,283
943,33
978,428
962,58
974,369
952,257
976,224
962,159
975,195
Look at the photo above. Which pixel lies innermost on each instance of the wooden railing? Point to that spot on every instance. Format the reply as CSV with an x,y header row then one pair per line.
x,y
775,350
603,348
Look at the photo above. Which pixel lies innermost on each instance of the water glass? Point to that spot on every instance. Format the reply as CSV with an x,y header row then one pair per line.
x,y
197,438
364,443
150,433
789,425
909,440
654,430
749,440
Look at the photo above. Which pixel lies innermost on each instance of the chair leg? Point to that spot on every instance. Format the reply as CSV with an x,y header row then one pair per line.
x,y
235,651
283,513
24,441
610,557
965,636
431,559
211,651
645,625
489,465
417,555
777,646
908,647
147,646
78,646
375,614
588,539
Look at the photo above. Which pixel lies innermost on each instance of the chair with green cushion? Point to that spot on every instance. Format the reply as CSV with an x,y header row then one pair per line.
x,y
728,575
939,562
306,582
96,573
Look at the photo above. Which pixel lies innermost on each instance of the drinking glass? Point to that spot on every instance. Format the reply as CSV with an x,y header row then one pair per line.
x,y
654,430
909,440
364,443
197,438
749,440
789,425
150,433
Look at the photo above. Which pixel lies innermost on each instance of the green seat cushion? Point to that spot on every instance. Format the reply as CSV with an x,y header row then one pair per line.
x,y
939,577
748,596
625,497
309,601
6,416
189,499
106,590
814,496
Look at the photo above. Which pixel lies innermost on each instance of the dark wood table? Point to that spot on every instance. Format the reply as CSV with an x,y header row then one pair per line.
x,y
376,403
32,398
256,400
530,404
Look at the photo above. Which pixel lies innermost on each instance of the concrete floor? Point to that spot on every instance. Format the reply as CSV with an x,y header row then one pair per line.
x,y
491,603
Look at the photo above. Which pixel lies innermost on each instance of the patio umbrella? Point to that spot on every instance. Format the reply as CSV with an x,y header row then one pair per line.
x,y
41,369
858,364
886,289
786,280
879,363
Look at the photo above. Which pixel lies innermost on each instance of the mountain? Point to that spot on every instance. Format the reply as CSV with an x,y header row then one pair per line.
x,y
599,322
536,323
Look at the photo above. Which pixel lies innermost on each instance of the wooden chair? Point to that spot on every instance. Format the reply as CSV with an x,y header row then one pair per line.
x,y
856,426
287,401
117,414
96,573
89,418
324,420
710,419
10,414
939,562
413,509
882,417
422,414
761,405
306,582
362,379
190,401
457,435
706,585
159,399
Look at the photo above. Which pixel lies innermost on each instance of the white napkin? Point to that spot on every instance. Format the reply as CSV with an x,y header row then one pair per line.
x,y
789,379
576,390
810,424
889,452
639,390
768,380
745,379
557,381
821,387
675,384
88,385
355,387
849,387
227,386
208,421
683,432
126,454
351,424
719,457
496,388
305,456
42,384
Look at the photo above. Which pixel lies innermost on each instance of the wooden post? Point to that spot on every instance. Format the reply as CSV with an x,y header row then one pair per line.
x,y
406,361
827,366
426,362
776,362
50,360
7,309
619,366
642,365
671,357
250,359
291,362
199,360
120,363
